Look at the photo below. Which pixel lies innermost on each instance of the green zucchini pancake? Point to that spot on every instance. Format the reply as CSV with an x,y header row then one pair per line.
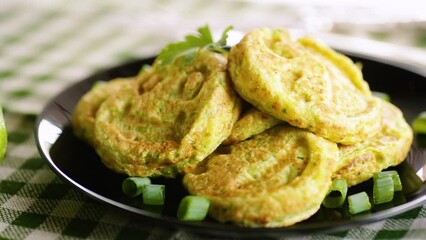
x,y
390,147
304,83
173,125
277,178
83,118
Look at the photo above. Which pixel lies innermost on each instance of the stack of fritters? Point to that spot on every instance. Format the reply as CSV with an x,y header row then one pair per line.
x,y
308,117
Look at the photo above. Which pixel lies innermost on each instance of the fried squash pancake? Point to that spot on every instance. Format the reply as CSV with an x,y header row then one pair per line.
x,y
250,123
304,83
388,148
83,118
277,178
171,121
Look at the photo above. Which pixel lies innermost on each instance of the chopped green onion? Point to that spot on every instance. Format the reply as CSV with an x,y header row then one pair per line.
x,y
337,194
383,189
397,186
419,123
193,208
382,95
153,194
359,202
132,186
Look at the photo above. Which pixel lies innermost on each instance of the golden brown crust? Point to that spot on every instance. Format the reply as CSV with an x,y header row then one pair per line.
x,y
388,148
167,127
277,178
83,118
305,84
250,123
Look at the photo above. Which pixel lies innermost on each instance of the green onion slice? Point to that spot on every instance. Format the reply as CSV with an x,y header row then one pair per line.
x,y
337,194
383,189
193,208
397,185
132,186
382,95
153,194
359,202
419,123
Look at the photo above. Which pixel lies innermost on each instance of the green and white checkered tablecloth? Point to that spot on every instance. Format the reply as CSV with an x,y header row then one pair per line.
x,y
47,45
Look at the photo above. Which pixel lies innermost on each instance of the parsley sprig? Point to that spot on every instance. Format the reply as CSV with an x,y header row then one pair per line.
x,y
191,44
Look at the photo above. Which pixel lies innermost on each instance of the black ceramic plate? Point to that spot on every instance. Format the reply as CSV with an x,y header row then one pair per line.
x,y
79,165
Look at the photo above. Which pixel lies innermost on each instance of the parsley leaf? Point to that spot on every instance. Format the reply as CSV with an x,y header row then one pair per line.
x,y
222,40
191,44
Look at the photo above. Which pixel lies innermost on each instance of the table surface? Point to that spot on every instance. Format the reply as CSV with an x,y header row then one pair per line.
x,y
48,45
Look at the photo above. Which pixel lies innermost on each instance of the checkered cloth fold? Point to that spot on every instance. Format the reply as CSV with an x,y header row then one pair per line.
x,y
47,45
